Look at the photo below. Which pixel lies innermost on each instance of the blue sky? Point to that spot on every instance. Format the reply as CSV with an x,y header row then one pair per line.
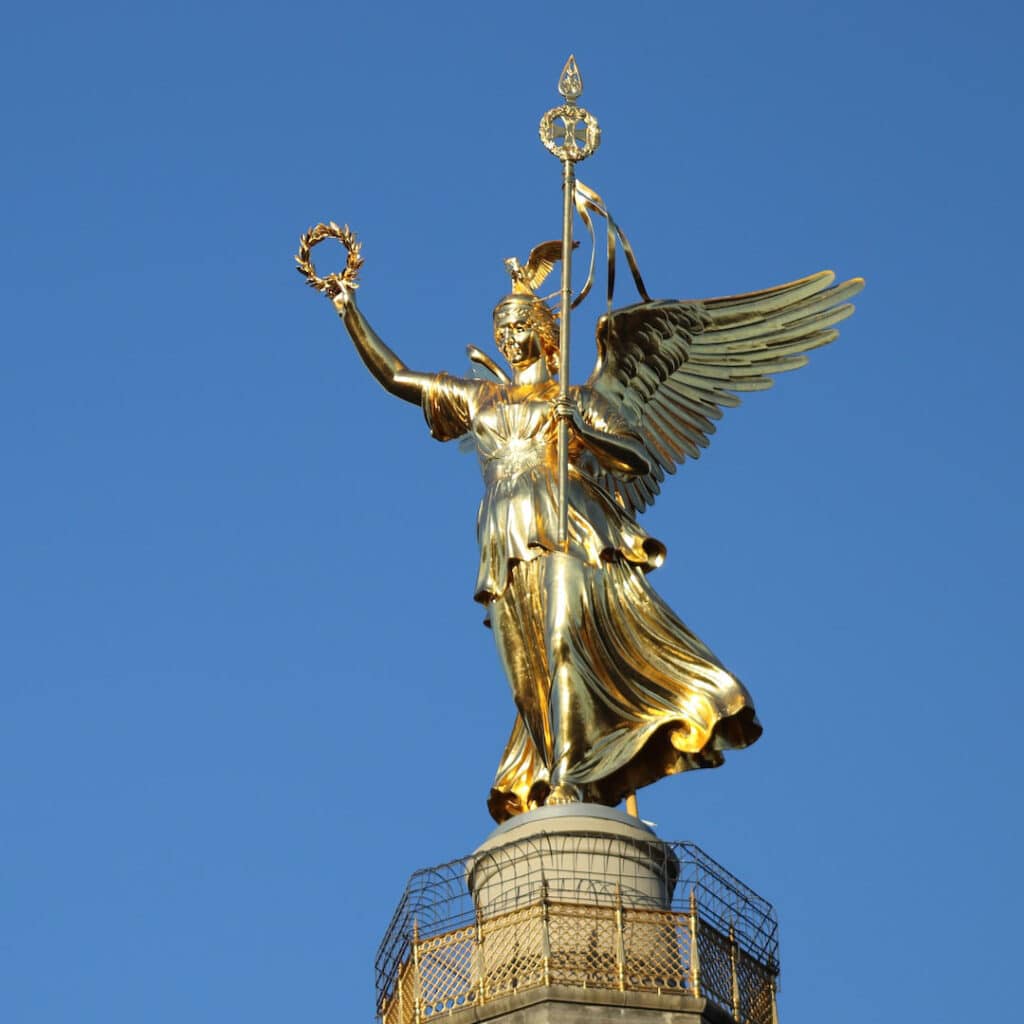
x,y
244,689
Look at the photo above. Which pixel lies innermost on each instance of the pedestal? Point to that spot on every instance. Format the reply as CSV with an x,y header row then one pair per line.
x,y
579,853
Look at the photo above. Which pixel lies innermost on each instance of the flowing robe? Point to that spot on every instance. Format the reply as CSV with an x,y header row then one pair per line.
x,y
612,690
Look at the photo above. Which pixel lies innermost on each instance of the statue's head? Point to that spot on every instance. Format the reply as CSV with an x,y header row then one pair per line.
x,y
525,329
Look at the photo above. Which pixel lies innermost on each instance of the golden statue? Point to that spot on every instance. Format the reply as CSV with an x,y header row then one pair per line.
x,y
612,690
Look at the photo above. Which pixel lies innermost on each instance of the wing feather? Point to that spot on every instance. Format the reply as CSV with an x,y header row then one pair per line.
x,y
679,435
683,434
661,445
671,367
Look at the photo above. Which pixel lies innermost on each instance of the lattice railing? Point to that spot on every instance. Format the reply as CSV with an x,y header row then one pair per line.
x,y
549,942
549,910
733,979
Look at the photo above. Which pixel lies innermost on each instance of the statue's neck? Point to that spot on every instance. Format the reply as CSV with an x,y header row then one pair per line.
x,y
535,373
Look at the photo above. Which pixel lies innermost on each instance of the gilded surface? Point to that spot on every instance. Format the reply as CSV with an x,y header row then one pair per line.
x,y
612,690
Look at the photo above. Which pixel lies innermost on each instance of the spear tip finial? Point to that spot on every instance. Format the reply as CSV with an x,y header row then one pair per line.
x,y
570,82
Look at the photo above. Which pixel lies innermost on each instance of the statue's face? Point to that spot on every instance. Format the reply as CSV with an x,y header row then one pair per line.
x,y
517,340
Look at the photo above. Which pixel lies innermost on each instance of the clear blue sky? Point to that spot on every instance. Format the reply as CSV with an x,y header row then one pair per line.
x,y
244,689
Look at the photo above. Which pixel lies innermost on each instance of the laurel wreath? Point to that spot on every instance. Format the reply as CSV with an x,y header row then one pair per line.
x,y
331,284
570,115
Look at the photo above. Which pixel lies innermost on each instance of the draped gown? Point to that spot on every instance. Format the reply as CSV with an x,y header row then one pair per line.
x,y
612,690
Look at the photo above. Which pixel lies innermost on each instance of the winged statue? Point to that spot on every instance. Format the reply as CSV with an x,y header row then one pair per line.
x,y
612,691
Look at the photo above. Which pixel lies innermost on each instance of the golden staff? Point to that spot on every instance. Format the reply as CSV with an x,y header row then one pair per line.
x,y
571,134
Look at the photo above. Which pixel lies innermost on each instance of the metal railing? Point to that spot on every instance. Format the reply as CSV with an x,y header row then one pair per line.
x,y
716,939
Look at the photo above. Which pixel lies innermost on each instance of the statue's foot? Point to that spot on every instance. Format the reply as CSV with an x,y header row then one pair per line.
x,y
564,793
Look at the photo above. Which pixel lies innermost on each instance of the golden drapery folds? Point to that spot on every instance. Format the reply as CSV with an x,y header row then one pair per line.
x,y
612,690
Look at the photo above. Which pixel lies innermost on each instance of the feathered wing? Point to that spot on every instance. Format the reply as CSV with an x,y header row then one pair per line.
x,y
542,260
670,367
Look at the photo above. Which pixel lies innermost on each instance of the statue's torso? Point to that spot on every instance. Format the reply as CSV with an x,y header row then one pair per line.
x,y
515,432
516,439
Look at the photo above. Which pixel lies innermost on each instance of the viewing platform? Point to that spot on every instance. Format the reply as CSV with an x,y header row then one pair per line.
x,y
572,907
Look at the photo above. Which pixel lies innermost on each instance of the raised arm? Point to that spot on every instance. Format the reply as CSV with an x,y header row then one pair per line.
x,y
392,373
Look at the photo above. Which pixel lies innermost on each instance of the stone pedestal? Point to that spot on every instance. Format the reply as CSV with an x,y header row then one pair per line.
x,y
576,895
577,853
